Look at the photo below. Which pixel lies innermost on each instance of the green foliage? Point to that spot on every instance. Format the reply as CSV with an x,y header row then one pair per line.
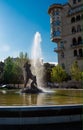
x,y
58,74
82,75
8,70
17,74
13,69
23,58
75,71
1,71
48,68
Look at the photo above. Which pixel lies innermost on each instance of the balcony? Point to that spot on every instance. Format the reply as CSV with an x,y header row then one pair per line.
x,y
55,39
79,57
75,10
80,45
60,49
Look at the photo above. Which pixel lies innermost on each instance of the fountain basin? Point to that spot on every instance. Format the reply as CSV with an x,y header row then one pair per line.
x,y
67,117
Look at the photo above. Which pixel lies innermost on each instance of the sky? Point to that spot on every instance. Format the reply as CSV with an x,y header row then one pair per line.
x,y
19,21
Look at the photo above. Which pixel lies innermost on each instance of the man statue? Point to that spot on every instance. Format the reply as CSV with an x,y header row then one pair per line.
x,y
28,75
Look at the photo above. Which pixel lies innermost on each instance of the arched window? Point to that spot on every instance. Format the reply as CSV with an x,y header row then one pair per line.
x,y
79,0
75,52
78,17
54,33
63,65
53,13
73,30
72,19
62,44
58,33
62,54
78,28
57,22
57,12
79,40
74,42
82,16
80,52
74,1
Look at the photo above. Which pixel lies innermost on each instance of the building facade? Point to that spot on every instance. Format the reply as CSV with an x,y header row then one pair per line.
x,y
66,23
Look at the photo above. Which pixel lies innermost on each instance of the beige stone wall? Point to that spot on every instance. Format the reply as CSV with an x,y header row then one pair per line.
x,y
74,5
67,36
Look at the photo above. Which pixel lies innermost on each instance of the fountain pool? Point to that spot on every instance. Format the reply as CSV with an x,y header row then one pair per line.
x,y
57,97
61,109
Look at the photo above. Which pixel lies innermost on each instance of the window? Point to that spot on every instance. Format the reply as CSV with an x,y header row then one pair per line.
x,y
74,42
57,13
75,52
62,44
58,33
80,53
79,40
72,19
62,54
79,0
53,13
73,30
57,22
63,65
78,28
78,17
74,1
54,33
82,16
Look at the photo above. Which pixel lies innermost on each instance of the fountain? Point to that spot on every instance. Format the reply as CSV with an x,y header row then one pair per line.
x,y
36,56
34,71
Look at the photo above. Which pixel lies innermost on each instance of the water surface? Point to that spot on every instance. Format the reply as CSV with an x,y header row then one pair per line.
x,y
57,97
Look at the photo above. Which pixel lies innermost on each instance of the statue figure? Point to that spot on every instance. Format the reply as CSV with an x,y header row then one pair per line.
x,y
34,82
29,75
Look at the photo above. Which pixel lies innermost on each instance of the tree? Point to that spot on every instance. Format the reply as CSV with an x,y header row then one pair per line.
x,y
13,73
82,75
17,74
22,59
8,70
75,71
58,74
13,69
48,68
1,72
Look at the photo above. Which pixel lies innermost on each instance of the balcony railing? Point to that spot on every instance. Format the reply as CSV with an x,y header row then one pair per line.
x,y
79,57
55,38
75,10
77,45
59,49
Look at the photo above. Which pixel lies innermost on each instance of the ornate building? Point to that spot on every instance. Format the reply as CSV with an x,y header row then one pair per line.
x,y
67,32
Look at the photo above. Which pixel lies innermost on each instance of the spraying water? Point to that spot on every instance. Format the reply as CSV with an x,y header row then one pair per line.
x,y
36,48
36,56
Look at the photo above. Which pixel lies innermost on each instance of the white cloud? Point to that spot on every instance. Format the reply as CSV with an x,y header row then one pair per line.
x,y
4,48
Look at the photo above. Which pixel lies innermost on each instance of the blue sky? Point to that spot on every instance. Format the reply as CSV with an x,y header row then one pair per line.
x,y
19,21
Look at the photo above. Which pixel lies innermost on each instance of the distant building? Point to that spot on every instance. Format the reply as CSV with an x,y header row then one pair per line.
x,y
52,63
67,32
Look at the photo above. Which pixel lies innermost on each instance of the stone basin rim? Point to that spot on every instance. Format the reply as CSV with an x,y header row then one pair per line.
x,y
42,106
